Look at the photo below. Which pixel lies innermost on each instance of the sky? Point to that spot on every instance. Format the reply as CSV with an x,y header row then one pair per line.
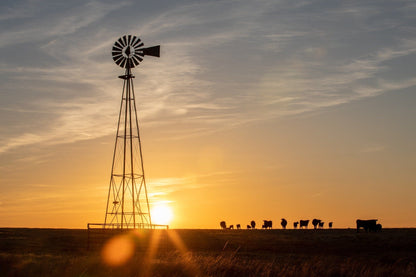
x,y
255,110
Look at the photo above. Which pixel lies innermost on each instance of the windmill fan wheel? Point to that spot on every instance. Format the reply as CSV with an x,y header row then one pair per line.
x,y
127,51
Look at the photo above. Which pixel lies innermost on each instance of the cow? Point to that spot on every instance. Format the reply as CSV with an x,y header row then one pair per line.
x,y
238,226
283,223
369,225
315,222
267,224
295,224
231,227
253,224
321,224
330,224
248,226
303,223
223,225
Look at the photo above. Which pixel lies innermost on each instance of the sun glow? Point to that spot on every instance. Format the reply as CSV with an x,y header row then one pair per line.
x,y
161,214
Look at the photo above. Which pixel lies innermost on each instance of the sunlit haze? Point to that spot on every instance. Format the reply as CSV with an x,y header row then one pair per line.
x,y
255,110
161,214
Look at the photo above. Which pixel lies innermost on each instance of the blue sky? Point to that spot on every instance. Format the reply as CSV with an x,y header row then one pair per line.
x,y
225,67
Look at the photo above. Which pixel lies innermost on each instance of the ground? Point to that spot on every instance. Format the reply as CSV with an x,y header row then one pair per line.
x,y
337,252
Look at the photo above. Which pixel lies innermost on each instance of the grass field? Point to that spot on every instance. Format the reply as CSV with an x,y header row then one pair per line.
x,y
337,252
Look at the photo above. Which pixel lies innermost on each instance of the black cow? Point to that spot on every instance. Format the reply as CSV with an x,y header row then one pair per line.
x,y
330,224
295,224
238,226
304,223
283,223
315,222
231,227
369,225
248,226
321,224
267,224
223,225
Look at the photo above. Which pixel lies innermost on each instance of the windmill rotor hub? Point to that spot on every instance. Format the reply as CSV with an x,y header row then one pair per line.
x,y
128,52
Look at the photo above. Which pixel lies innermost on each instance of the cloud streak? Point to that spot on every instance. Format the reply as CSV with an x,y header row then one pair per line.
x,y
161,188
222,65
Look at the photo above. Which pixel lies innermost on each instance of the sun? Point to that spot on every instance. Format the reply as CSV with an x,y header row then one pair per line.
x,y
161,214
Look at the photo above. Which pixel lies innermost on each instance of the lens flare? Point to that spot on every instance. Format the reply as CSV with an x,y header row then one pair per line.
x,y
118,250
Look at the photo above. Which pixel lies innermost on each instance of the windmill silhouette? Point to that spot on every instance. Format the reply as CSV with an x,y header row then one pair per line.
x,y
127,201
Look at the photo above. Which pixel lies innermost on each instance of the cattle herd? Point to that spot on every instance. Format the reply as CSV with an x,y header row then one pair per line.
x,y
369,225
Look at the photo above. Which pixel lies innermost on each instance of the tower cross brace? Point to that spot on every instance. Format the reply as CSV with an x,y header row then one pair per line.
x,y
127,202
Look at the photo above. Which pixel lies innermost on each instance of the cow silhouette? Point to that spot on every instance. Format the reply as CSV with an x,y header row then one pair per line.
x,y
330,224
369,225
267,224
283,223
295,224
223,225
248,226
315,222
303,223
253,224
238,226
321,225
231,227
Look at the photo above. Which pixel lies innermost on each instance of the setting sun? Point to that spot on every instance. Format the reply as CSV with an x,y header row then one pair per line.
x,y
161,214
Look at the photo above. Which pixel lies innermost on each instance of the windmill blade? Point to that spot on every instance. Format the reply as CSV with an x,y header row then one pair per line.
x,y
151,51
123,62
136,60
129,39
121,42
135,41
116,48
137,57
118,62
117,55
115,58
125,40
131,63
117,44
138,44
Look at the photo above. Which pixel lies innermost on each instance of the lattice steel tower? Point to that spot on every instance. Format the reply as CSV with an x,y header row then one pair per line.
x,y
127,202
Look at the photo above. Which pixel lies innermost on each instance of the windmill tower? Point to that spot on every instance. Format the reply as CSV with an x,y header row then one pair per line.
x,y
127,202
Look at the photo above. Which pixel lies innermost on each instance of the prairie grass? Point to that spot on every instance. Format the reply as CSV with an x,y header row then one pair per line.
x,y
49,252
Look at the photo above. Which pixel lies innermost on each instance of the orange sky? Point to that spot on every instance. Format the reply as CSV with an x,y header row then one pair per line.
x,y
252,112
263,171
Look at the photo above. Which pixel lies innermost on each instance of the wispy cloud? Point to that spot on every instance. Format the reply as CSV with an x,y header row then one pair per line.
x,y
161,188
223,64
44,21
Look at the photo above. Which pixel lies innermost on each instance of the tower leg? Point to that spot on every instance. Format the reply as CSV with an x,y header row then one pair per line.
x,y
127,201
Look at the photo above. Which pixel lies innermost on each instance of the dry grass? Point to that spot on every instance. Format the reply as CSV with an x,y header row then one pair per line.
x,y
48,252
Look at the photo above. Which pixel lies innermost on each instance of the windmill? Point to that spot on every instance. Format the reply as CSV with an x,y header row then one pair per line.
x,y
127,201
